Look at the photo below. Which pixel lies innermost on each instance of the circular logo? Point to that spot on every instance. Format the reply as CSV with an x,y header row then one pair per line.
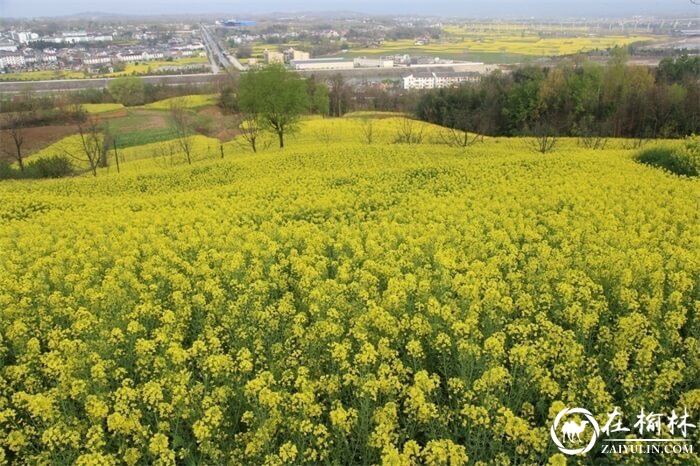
x,y
571,431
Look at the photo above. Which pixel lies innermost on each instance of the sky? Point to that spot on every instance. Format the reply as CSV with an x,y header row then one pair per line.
x,y
461,8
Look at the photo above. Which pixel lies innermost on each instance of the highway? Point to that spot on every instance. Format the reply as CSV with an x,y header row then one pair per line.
x,y
62,85
210,53
217,53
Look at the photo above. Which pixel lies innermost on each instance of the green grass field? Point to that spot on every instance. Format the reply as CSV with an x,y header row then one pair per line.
x,y
141,126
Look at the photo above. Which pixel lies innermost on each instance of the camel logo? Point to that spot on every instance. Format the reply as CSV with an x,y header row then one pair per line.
x,y
571,431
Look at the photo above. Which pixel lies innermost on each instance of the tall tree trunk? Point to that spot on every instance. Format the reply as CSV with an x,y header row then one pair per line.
x,y
20,160
280,134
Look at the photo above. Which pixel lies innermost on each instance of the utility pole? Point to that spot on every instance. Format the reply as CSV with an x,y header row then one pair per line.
x,y
116,154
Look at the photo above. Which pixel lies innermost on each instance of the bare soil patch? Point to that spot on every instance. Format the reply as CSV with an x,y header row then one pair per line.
x,y
35,139
220,126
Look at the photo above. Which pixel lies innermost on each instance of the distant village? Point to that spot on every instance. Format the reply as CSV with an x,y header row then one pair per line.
x,y
302,44
430,72
95,51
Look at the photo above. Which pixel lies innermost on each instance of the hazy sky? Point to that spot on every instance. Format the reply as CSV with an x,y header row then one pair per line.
x,y
463,8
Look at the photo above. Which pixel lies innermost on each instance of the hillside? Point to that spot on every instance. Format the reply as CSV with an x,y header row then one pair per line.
x,y
343,303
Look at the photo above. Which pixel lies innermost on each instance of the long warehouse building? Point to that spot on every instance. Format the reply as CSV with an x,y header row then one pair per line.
x,y
322,64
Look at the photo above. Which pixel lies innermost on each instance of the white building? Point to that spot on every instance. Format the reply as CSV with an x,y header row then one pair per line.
x,y
31,57
24,37
8,46
419,81
404,59
97,60
322,64
292,54
373,63
144,56
11,60
438,80
273,57
78,37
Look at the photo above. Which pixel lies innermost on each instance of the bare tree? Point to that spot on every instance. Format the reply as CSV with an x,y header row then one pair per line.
x,y
183,126
116,153
16,124
326,134
463,127
594,142
367,130
591,134
31,104
339,95
107,143
544,137
458,138
408,131
634,143
91,147
164,154
252,130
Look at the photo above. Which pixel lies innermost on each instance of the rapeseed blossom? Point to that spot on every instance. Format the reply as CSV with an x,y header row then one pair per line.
x,y
344,305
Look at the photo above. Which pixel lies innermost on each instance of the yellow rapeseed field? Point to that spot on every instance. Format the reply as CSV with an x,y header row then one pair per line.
x,y
187,101
344,303
460,42
101,108
147,67
42,75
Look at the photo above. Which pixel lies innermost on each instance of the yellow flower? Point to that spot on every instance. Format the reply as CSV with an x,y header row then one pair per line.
x,y
95,459
415,349
557,460
444,453
158,444
341,418
288,453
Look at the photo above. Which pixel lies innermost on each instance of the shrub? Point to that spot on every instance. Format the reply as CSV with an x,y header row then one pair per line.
x,y
408,132
681,161
6,171
56,166
127,91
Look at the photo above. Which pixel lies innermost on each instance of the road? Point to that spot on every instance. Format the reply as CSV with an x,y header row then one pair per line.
x,y
62,85
210,53
217,53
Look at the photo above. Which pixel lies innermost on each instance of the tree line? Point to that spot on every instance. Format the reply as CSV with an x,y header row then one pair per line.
x,y
585,100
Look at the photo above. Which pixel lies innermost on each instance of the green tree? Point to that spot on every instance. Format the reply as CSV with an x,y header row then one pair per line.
x,y
277,95
339,95
319,99
228,100
523,102
128,91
